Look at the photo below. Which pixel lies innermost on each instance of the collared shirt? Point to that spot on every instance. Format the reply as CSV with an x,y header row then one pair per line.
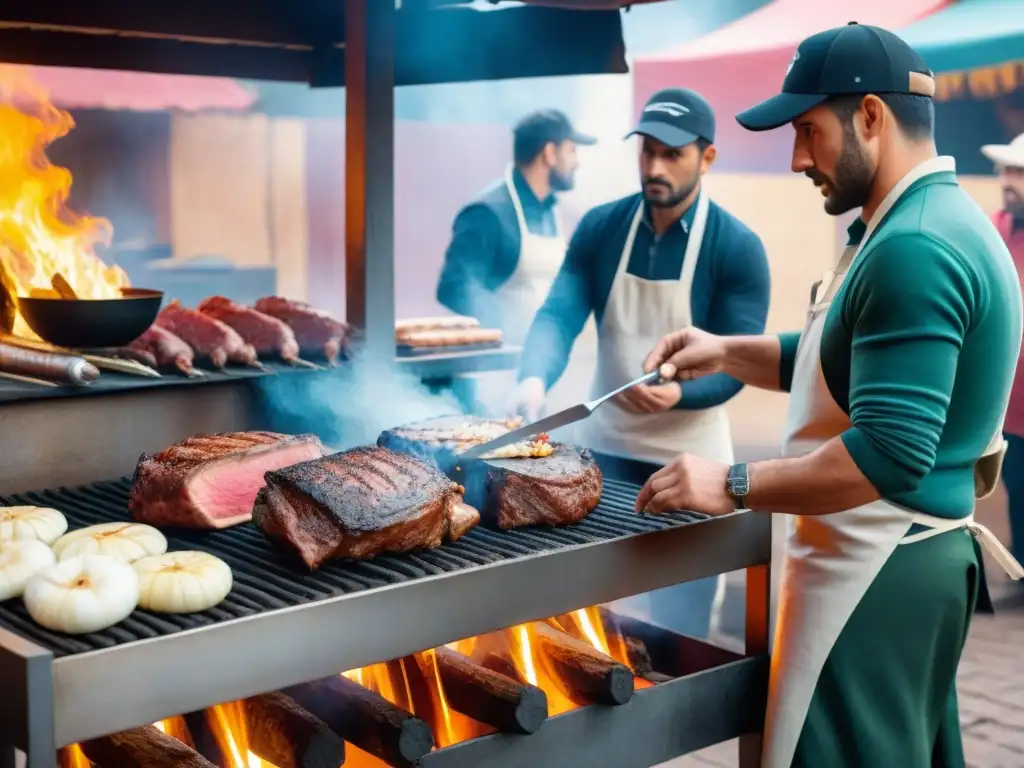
x,y
484,250
730,293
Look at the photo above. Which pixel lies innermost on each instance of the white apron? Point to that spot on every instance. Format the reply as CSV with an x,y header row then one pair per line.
x,y
638,314
831,560
520,297
540,258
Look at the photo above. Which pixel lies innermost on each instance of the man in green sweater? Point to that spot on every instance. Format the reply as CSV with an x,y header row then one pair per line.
x,y
898,385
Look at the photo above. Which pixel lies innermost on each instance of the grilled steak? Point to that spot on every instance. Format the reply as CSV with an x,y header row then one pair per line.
x,y
358,504
207,336
211,481
267,335
163,349
557,489
316,332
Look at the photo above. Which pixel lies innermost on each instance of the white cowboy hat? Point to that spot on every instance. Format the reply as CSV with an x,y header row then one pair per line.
x,y
1007,155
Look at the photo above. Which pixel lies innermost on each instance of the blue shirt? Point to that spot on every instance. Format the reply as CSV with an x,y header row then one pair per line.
x,y
730,294
484,251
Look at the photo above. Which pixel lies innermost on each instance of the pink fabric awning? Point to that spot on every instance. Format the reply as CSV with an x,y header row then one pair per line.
x,y
75,88
738,65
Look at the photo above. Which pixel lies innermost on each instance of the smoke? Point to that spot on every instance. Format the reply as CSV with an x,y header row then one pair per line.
x,y
350,405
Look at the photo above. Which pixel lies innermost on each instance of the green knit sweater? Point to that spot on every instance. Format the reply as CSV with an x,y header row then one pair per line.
x,y
920,346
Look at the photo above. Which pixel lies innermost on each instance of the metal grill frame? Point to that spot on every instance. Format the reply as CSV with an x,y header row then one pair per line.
x,y
51,702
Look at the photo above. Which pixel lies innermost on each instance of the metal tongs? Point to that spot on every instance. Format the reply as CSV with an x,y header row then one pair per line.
x,y
571,415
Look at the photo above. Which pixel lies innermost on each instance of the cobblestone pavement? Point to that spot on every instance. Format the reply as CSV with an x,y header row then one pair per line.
x,y
991,692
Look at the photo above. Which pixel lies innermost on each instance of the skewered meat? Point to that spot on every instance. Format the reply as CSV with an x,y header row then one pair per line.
x,y
317,332
268,335
358,504
548,484
162,349
211,481
207,336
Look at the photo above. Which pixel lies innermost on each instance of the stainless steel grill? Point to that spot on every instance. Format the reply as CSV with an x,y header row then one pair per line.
x,y
267,579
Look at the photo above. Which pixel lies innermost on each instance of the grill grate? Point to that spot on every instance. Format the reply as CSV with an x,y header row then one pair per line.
x,y
267,578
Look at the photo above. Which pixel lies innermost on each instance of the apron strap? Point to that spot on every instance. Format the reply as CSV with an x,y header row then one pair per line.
x,y
935,525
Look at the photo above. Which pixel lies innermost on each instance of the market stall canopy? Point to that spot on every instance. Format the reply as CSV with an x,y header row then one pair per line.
x,y
977,49
112,90
744,62
972,35
304,40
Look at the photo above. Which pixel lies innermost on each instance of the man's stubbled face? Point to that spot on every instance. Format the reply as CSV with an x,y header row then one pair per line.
x,y
668,175
830,153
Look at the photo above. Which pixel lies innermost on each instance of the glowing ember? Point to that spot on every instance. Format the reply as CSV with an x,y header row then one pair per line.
x,y
39,235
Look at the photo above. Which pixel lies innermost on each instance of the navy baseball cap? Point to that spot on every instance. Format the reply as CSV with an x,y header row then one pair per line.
x,y
550,125
855,59
676,117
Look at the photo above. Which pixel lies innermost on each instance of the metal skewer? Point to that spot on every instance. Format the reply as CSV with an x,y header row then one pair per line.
x,y
28,380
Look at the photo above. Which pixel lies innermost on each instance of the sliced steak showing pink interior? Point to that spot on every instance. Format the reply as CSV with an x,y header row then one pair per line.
x,y
211,481
358,504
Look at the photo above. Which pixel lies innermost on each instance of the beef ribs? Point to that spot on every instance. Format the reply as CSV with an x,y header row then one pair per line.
x,y
360,503
316,332
559,489
211,481
268,335
206,335
162,349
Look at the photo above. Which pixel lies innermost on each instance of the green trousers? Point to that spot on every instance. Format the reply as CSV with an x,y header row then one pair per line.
x,y
887,695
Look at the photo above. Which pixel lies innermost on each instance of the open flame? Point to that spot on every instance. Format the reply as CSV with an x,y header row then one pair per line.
x,y
414,683
39,235
227,724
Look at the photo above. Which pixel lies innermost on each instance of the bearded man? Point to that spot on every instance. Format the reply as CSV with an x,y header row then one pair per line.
x,y
663,258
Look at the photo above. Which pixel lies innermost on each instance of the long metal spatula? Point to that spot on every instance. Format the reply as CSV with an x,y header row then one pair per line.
x,y
563,418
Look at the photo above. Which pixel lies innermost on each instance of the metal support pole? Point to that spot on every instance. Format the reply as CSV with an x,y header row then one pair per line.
x,y
370,173
757,638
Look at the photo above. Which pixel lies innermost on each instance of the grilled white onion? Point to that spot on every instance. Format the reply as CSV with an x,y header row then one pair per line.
x,y
126,542
31,524
182,582
19,561
82,594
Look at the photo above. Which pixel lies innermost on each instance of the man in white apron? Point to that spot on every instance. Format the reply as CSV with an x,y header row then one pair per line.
x,y
660,259
508,244
898,385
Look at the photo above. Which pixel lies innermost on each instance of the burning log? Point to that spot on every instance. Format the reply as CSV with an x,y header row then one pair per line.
x,y
488,696
366,719
584,675
146,747
283,733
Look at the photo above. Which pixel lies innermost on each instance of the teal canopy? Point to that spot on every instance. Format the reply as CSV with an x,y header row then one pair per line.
x,y
970,34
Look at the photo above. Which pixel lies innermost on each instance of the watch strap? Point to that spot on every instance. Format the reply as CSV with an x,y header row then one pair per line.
x,y
738,484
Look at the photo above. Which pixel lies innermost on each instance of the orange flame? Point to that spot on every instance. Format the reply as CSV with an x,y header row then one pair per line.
x,y
227,724
39,235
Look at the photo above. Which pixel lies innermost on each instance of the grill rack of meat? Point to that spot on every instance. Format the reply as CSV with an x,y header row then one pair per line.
x,y
348,614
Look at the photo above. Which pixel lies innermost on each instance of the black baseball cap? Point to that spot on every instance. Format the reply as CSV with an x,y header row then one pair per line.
x,y
676,117
550,125
855,59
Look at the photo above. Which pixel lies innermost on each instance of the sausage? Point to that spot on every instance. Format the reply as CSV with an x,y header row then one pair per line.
x,y
66,369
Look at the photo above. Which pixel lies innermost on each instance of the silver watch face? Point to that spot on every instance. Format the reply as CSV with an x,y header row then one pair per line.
x,y
739,486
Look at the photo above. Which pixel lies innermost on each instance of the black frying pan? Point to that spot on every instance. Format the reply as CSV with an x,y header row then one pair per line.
x,y
92,323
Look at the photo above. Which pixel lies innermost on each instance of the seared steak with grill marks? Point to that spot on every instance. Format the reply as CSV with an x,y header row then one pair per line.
x,y
558,489
211,481
358,504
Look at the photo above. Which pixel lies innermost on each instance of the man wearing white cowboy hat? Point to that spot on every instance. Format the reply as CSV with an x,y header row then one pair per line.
x,y
1009,161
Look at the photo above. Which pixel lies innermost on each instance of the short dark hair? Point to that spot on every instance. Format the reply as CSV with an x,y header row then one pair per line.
x,y
915,114
526,147
702,145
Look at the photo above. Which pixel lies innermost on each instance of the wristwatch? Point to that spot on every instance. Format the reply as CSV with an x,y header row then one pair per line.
x,y
738,484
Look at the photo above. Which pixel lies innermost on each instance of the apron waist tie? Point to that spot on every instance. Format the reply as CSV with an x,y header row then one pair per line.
x,y
936,525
